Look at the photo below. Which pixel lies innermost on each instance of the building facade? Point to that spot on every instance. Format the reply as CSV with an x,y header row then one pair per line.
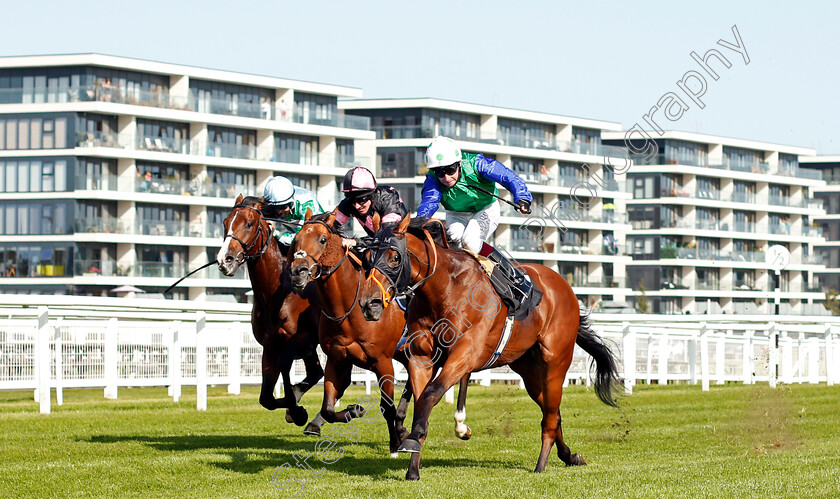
x,y
117,171
578,225
704,211
829,222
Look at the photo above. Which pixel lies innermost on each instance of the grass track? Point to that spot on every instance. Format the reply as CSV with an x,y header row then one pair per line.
x,y
668,441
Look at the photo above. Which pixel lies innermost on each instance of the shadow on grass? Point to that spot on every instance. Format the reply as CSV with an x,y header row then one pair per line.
x,y
252,454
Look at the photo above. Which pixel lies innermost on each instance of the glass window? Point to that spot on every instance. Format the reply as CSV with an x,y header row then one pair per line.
x,y
297,149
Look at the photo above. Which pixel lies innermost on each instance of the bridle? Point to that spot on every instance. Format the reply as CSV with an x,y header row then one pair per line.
x,y
312,276
400,278
245,254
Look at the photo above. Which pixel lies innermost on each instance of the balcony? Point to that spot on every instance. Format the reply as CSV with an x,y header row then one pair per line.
x,y
105,268
98,139
164,228
678,192
710,225
745,285
707,284
159,269
743,197
165,186
607,282
527,245
744,227
163,144
105,182
101,93
778,200
107,225
707,194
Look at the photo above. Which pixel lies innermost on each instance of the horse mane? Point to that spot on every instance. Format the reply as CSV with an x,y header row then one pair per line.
x,y
251,201
435,227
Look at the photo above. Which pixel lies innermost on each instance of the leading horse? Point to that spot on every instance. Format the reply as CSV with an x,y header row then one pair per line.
x,y
456,315
285,323
346,336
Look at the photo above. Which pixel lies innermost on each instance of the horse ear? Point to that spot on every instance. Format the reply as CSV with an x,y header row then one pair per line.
x,y
238,200
308,214
404,224
376,222
330,221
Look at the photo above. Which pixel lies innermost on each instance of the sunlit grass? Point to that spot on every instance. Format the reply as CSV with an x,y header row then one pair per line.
x,y
666,441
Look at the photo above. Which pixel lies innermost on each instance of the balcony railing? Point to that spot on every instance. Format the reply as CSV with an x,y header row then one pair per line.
x,y
165,186
106,182
707,194
159,269
106,225
705,284
743,197
105,268
101,93
778,200
98,139
744,227
607,282
164,228
163,144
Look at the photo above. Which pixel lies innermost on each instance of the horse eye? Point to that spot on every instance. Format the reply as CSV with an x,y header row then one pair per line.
x,y
323,239
249,224
396,258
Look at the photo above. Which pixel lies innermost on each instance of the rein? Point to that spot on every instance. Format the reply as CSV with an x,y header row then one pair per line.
x,y
303,255
244,254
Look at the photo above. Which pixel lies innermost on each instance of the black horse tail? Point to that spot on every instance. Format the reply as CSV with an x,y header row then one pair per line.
x,y
606,364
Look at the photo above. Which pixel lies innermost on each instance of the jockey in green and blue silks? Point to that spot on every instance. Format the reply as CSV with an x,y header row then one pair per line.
x,y
283,200
471,214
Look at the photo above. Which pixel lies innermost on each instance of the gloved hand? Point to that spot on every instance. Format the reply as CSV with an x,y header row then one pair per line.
x,y
523,206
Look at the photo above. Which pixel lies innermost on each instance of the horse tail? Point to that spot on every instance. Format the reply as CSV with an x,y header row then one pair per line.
x,y
606,375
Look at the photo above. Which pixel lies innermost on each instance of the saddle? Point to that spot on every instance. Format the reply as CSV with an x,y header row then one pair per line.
x,y
519,306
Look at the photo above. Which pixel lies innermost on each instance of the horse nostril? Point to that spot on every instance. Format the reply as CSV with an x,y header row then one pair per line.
x,y
228,259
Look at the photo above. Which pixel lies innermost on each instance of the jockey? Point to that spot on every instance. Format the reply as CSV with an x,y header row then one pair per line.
x,y
472,215
284,201
363,198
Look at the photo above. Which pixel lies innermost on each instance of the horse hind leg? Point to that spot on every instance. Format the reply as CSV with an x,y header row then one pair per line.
x,y
563,452
462,431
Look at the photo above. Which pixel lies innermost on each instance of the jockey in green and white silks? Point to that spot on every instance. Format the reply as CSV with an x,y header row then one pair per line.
x,y
457,180
285,201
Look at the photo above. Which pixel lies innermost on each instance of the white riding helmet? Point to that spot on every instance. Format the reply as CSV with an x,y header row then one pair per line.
x,y
443,151
279,190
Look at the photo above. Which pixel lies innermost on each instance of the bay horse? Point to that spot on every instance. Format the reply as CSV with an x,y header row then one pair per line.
x,y
284,322
346,336
457,315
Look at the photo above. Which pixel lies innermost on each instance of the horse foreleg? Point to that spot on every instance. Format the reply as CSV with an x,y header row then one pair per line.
x,y
336,381
314,373
384,371
419,374
402,410
462,430
294,413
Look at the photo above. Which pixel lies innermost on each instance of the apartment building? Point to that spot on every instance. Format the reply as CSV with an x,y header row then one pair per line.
x,y
829,222
578,227
704,211
118,171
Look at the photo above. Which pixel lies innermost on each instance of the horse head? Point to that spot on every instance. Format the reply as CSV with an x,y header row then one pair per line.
x,y
390,269
314,250
246,235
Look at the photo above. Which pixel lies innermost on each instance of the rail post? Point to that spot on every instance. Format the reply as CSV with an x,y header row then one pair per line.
x,y
42,343
112,368
200,361
629,354
235,360
704,357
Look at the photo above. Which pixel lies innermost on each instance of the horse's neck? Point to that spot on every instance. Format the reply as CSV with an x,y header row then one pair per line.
x,y
438,274
334,290
266,272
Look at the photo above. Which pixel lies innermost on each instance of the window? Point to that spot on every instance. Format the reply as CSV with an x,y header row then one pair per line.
x,y
527,168
708,188
309,182
33,175
744,192
163,136
162,220
345,153
227,98
231,143
685,153
527,134
452,124
743,159
228,182
316,109
96,174
296,149
586,140
400,162
45,260
33,133
156,261
643,188
34,218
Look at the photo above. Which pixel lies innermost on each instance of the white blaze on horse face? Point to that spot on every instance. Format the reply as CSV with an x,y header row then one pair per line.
x,y
220,256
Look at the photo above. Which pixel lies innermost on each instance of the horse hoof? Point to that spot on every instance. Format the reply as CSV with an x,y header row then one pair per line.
x,y
402,435
412,476
395,455
467,435
289,418
410,445
311,429
356,410
298,414
576,460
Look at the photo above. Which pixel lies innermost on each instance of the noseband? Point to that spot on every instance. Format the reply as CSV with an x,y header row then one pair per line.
x,y
245,255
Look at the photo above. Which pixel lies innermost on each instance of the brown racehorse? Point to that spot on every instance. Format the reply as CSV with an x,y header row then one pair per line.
x,y
283,322
456,314
346,337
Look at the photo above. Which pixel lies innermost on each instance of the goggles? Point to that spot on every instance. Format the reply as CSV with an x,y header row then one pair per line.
x,y
446,170
361,199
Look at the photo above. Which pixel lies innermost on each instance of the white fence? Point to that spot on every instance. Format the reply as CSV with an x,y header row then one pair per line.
x,y
78,342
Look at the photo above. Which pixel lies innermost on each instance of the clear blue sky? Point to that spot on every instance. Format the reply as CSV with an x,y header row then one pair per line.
x,y
602,60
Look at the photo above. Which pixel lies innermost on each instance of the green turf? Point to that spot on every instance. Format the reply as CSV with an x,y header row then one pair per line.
x,y
667,441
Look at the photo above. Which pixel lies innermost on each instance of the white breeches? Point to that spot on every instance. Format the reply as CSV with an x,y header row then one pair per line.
x,y
473,229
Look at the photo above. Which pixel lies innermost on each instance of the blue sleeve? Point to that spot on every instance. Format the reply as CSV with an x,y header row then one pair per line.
x,y
497,172
431,197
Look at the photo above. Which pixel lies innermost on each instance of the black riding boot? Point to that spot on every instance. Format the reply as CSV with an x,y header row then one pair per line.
x,y
519,282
